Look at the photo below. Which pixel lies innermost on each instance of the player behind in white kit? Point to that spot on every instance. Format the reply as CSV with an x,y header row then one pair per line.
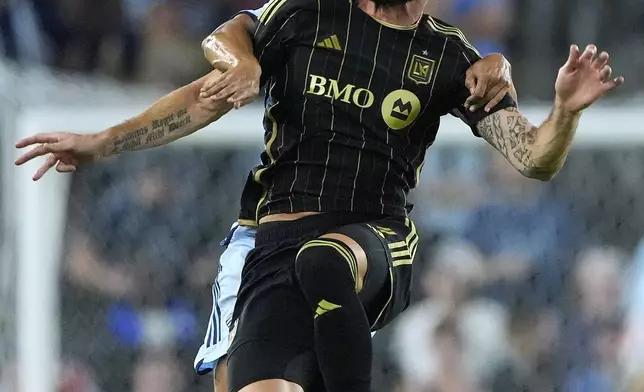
x,y
489,81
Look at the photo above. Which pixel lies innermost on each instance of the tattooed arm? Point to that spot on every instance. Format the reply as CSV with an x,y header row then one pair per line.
x,y
536,152
539,152
174,116
232,42
230,50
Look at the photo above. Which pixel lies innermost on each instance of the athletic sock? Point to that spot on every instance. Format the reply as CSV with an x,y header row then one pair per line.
x,y
326,270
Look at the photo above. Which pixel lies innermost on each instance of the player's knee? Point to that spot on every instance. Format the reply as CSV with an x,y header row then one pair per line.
x,y
326,261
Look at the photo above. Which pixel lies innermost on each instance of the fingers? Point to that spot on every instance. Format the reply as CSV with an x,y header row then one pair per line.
x,y
52,161
470,100
589,54
601,61
213,90
588,58
478,94
470,80
38,139
63,167
49,163
574,56
33,153
242,98
43,149
605,73
212,87
245,102
612,84
491,93
496,99
227,91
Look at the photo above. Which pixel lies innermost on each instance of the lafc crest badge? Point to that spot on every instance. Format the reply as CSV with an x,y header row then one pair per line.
x,y
421,69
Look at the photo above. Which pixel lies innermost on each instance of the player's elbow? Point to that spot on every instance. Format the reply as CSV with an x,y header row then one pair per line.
x,y
539,172
205,44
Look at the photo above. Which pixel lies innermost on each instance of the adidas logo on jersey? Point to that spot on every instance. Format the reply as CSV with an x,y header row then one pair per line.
x,y
330,43
325,306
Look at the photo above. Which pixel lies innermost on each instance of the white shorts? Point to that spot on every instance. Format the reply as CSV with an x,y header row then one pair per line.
x,y
239,242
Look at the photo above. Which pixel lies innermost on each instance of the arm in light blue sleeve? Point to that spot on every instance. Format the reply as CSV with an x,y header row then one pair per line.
x,y
254,13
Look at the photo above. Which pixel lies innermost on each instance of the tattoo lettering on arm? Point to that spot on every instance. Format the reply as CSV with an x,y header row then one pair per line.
x,y
510,133
159,129
130,140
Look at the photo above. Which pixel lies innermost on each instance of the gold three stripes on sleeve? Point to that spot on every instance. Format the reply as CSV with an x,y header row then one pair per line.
x,y
271,10
452,31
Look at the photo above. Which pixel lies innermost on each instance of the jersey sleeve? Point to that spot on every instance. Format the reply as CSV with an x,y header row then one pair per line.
x,y
254,14
466,56
276,28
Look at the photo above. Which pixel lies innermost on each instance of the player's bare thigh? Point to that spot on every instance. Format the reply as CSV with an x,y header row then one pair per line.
x,y
274,385
221,382
361,255
357,250
220,376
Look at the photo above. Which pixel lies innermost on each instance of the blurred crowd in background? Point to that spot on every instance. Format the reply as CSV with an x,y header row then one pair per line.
x,y
520,286
158,40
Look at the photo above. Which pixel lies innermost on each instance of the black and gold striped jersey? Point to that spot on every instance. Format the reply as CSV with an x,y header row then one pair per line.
x,y
352,105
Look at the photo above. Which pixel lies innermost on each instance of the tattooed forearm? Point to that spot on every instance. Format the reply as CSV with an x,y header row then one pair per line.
x,y
537,152
130,140
490,129
522,136
155,133
172,117
511,134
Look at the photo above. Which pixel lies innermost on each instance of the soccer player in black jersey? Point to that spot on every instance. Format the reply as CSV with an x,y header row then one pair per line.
x,y
355,93
334,144
488,78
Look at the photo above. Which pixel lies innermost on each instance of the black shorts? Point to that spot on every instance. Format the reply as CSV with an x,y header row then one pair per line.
x,y
272,335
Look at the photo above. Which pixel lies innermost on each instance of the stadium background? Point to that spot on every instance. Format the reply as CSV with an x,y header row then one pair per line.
x,y
104,275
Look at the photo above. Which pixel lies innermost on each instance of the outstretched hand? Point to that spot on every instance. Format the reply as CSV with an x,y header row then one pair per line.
x,y
65,151
584,79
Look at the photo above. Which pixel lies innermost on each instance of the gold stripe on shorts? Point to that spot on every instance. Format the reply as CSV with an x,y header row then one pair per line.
x,y
347,255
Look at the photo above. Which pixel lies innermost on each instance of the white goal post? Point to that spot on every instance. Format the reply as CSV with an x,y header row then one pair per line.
x,y
40,208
